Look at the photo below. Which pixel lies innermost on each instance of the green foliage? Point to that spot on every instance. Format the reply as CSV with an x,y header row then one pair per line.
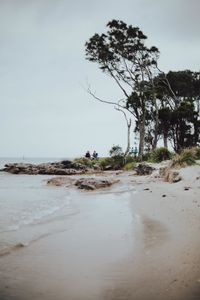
x,y
157,155
185,158
111,163
147,156
85,161
105,162
122,53
196,151
117,160
116,151
179,122
160,154
130,159
129,166
163,105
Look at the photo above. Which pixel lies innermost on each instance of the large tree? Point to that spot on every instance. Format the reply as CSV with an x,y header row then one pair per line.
x,y
122,54
179,119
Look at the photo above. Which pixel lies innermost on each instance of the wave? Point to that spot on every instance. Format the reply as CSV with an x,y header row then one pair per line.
x,y
20,245
33,219
7,250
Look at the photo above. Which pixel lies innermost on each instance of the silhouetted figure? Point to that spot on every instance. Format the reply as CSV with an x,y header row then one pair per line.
x,y
88,154
95,155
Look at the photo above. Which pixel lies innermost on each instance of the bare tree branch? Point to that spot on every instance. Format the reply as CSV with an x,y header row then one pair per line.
x,y
168,84
117,103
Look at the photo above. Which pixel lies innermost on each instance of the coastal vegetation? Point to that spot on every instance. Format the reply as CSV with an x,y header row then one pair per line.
x,y
117,160
157,155
187,157
162,106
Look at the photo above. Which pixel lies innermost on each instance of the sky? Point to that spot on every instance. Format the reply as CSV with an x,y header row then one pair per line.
x,y
45,108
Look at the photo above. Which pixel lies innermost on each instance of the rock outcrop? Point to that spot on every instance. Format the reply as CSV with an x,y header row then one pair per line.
x,y
144,169
82,183
64,167
60,181
170,175
93,183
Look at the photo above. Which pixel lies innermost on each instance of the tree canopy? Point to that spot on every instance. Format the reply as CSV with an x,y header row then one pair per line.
x,y
163,105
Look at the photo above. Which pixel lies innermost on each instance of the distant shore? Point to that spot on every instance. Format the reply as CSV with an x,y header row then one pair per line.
x,y
136,240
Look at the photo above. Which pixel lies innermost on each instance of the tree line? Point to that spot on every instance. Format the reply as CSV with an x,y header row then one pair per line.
x,y
164,106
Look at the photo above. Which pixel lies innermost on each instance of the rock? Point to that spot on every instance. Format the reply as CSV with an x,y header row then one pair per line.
x,y
186,188
93,183
65,172
162,171
67,164
58,181
64,167
15,170
97,167
170,175
119,172
108,168
82,183
174,177
144,169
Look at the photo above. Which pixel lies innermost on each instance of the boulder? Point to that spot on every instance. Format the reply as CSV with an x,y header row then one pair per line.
x,y
93,183
170,175
144,169
173,177
58,181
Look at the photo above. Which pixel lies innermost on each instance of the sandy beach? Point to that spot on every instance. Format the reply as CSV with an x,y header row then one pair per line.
x,y
136,240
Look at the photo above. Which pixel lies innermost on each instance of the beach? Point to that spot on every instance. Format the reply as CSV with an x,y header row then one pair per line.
x,y
136,240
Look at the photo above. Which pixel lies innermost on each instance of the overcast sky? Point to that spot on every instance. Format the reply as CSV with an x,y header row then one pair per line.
x,y
45,110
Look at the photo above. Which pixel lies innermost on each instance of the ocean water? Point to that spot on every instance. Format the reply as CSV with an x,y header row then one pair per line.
x,y
26,202
31,210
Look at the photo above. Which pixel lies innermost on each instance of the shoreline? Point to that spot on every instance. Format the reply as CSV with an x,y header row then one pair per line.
x,y
135,244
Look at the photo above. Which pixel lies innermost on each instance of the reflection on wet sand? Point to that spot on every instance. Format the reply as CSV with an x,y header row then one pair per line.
x,y
136,276
155,233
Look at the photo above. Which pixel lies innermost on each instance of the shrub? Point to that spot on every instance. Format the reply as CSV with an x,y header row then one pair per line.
x,y
85,161
116,161
196,151
147,156
157,155
129,166
160,154
185,158
105,162
113,163
116,150
129,159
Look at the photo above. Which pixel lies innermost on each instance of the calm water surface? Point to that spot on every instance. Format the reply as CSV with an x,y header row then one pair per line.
x,y
30,210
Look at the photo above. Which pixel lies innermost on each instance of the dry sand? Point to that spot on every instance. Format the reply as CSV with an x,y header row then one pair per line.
x,y
137,240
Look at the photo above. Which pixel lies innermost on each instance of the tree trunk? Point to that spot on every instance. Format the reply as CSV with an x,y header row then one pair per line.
x,y
155,141
142,136
128,138
165,141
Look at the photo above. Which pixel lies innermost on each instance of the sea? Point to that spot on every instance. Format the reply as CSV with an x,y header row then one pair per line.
x,y
27,203
30,210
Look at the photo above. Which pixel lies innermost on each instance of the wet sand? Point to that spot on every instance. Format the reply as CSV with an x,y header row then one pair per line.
x,y
137,240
